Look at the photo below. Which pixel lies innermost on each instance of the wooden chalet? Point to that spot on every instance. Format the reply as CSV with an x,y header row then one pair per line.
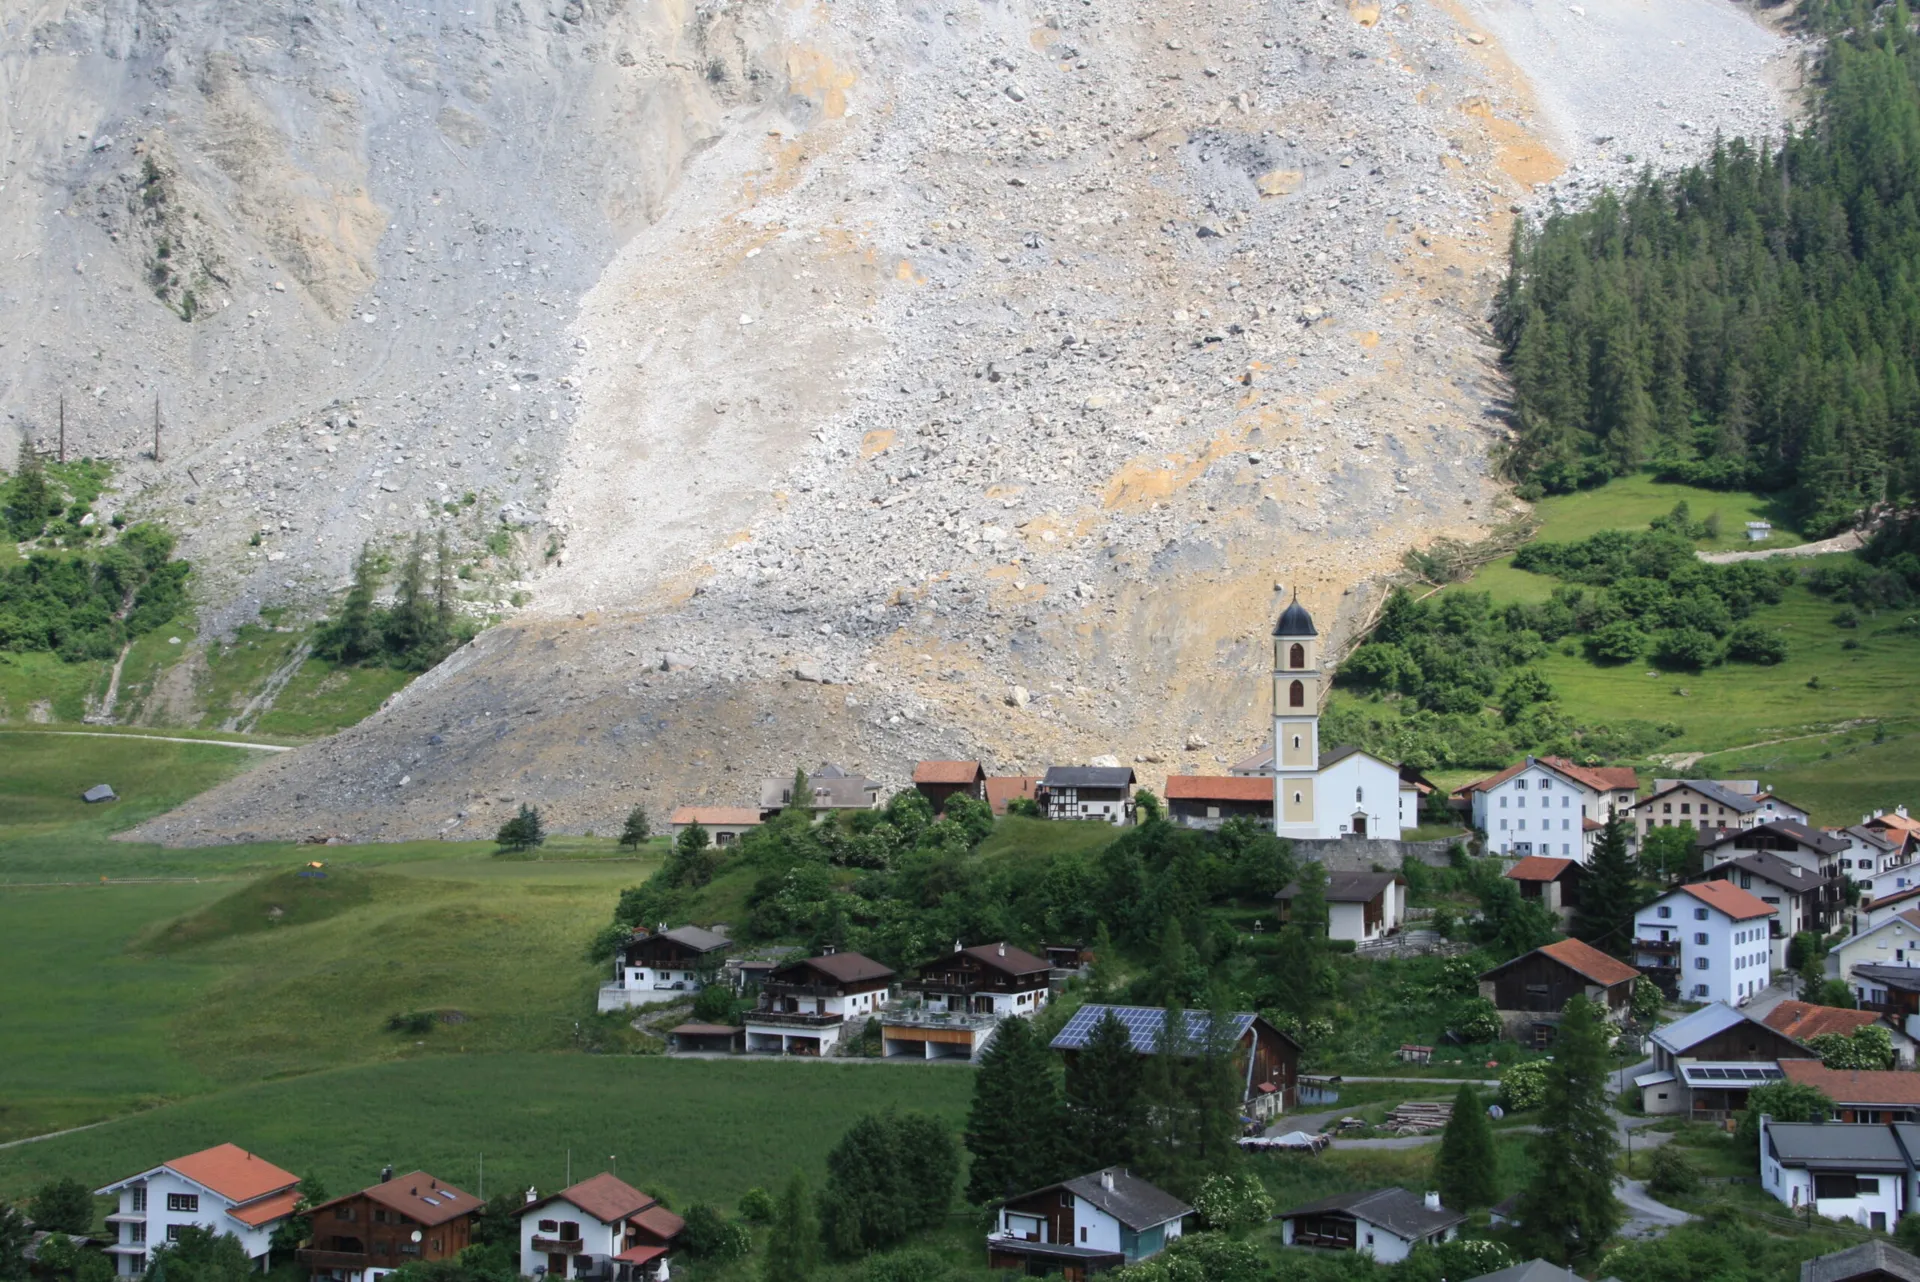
x,y
806,1005
1533,989
939,780
954,1002
1554,884
1266,1059
1083,1226
406,1220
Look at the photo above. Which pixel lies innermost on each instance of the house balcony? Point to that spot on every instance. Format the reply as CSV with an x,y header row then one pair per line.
x,y
559,1245
906,1017
351,1261
127,1217
1657,947
794,1019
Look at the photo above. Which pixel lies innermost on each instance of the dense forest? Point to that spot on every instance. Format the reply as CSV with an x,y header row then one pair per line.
x,y
1750,322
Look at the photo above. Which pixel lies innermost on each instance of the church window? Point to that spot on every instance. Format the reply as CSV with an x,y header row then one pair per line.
x,y
1296,798
1359,794
1297,695
1296,741
1297,657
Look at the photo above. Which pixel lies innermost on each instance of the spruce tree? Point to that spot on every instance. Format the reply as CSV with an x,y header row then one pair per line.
x,y
1016,1122
1610,892
1569,1208
1105,1112
1308,907
638,828
1465,1168
1216,1090
351,636
793,1243
1165,1152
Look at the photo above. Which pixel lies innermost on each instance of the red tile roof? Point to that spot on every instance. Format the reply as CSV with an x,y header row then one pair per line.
x,y
233,1173
1801,1020
1729,899
1598,778
660,1222
1219,788
1855,1085
962,772
1004,788
1539,868
267,1209
1591,962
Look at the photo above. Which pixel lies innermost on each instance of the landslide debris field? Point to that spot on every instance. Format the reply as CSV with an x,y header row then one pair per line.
x,y
863,382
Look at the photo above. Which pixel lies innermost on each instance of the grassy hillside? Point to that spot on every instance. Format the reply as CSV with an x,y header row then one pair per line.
x,y
1733,715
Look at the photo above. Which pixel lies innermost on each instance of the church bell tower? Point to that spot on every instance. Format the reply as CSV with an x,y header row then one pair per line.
x,y
1296,721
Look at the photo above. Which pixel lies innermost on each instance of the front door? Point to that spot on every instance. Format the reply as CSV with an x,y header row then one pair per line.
x,y
1359,825
1879,1221
556,1265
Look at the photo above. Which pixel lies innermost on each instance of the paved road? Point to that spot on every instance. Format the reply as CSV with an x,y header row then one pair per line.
x,y
1646,1217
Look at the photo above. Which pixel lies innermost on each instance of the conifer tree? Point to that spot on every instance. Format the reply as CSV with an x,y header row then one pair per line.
x,y
1105,1113
1610,892
351,637
1215,1090
1569,1208
1016,1121
638,828
1465,1168
793,1243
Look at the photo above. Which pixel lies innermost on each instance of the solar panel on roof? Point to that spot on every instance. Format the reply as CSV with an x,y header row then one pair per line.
x,y
1143,1025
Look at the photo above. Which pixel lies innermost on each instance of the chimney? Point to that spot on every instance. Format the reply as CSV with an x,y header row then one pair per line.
x,y
1003,948
1433,1201
956,946
386,1173
1106,1180
533,1195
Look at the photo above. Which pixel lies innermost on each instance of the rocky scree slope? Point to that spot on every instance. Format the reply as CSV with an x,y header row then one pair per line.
x,y
970,394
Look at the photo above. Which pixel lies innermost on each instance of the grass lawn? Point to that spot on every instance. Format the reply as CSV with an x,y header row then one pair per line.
x,y
1838,777
322,699
1632,501
1015,836
702,1129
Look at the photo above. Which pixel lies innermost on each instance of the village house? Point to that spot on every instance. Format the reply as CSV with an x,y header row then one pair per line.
x,y
1705,1063
805,1006
830,789
601,1228
1207,801
224,1189
1554,884
1705,942
951,1006
1548,806
364,1236
1361,906
1801,1020
1796,894
1858,1173
1819,852
1103,793
1084,1226
1860,1095
1898,826
724,825
1266,1059
1386,1223
656,967
1324,795
1531,991
1003,790
1872,1261
1892,941
939,780
1874,863
1704,805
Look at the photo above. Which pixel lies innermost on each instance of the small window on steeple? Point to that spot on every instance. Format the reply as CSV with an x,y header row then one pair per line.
x,y
1297,695
1297,657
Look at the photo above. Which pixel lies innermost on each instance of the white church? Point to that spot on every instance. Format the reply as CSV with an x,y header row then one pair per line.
x,y
1323,794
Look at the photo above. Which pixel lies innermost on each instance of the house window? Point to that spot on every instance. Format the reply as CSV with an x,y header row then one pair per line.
x,y
174,1230
1699,963
1665,911
183,1202
1297,695
549,1226
1700,937
1545,784
140,1198
1699,914
1666,808
570,1230
1083,1228
1297,656
1503,803
343,1212
1521,784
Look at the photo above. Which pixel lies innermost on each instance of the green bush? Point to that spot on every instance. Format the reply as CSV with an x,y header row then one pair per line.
x,y
1475,1020
1523,1086
1672,1174
907,1266
756,1206
1233,1203
1753,643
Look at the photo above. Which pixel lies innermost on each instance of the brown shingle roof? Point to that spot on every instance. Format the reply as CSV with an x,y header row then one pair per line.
x,y
1219,788
1014,961
1539,868
1855,1085
716,816
1004,788
420,1197
605,1197
660,1222
1729,899
1591,962
948,772
1801,1020
846,968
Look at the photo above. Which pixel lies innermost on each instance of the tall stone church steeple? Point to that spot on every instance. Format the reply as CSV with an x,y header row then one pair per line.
x,y
1296,721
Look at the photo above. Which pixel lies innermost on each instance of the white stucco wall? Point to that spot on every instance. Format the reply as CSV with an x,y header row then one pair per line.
x,y
597,1237
1720,959
209,1212
1538,808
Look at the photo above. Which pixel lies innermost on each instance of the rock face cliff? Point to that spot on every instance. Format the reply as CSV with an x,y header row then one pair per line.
x,y
874,380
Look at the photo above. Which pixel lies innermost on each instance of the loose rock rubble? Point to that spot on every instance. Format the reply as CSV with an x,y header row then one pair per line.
x,y
971,396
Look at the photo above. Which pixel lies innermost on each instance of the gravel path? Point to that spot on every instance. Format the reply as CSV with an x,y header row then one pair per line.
x,y
1851,541
163,738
